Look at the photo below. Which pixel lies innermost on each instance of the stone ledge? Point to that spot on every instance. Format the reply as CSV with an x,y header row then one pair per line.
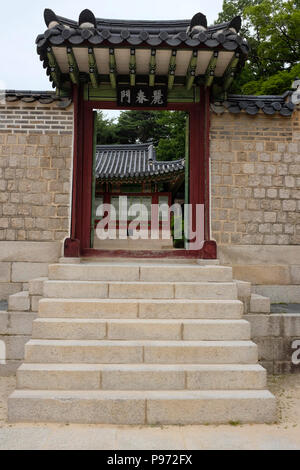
x,y
19,323
9,368
43,252
259,254
19,302
36,286
5,272
274,335
263,274
15,346
23,272
244,293
259,304
279,293
264,324
9,288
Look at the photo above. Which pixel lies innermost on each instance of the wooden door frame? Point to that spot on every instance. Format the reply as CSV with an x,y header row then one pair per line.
x,y
79,242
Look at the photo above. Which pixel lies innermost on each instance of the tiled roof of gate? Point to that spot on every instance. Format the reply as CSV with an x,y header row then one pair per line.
x,y
191,33
251,104
137,161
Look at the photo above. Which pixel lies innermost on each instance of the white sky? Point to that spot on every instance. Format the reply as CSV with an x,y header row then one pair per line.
x,y
21,21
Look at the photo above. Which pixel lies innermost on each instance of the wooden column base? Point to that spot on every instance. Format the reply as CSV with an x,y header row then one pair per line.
x,y
72,248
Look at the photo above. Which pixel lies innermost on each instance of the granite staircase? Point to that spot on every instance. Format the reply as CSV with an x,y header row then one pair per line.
x,y
141,343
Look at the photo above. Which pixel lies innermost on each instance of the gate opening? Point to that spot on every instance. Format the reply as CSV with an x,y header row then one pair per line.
x,y
140,180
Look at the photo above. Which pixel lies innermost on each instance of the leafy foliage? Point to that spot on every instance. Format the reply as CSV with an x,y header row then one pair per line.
x,y
272,28
277,84
106,130
137,127
165,129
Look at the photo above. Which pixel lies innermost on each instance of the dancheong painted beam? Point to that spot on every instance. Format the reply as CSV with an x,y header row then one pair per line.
x,y
93,68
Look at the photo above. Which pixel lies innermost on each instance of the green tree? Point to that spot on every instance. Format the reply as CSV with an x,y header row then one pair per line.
x,y
106,130
165,129
137,127
171,145
232,8
272,28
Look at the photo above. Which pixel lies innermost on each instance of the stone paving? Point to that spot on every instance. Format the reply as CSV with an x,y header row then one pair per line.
x,y
285,434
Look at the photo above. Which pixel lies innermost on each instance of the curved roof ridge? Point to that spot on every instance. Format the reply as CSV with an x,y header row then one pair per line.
x,y
258,97
181,24
124,146
168,162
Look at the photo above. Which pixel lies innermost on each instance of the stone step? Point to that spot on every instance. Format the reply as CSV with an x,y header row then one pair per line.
x,y
90,329
135,272
19,302
142,407
134,245
140,261
141,290
137,352
133,308
140,377
259,304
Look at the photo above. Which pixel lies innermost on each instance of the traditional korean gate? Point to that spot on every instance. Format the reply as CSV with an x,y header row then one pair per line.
x,y
198,167
109,64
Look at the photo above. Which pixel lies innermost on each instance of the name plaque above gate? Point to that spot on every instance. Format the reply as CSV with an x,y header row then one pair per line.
x,y
142,96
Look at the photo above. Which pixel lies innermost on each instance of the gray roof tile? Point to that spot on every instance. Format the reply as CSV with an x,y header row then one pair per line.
x,y
252,104
43,97
137,161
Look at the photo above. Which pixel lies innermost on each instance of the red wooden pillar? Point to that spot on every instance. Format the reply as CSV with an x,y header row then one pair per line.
x,y
87,174
199,166
196,160
82,176
207,163
72,244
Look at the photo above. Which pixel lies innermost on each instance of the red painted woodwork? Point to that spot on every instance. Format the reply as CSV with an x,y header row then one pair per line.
x,y
207,165
72,248
82,172
72,244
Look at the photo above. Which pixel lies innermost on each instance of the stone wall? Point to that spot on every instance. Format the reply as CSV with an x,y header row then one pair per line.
x,y
255,164
255,181
22,261
35,185
273,270
255,191
277,337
